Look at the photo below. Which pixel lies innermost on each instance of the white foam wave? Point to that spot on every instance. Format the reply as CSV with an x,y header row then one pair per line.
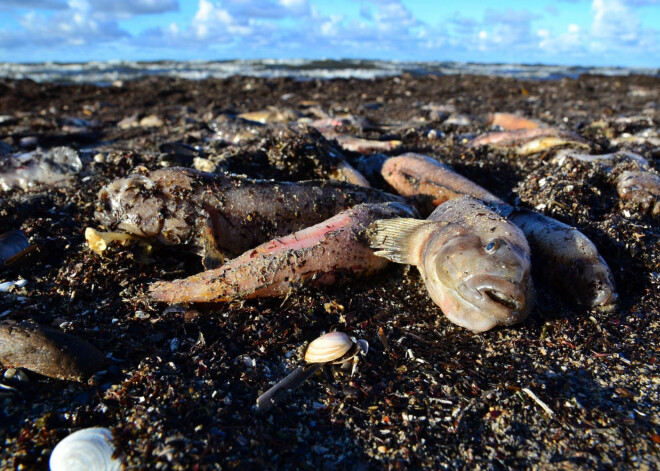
x,y
109,71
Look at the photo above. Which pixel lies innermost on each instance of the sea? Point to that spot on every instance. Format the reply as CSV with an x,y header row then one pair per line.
x,y
108,72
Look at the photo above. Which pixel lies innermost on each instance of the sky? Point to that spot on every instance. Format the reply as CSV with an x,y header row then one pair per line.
x,y
564,32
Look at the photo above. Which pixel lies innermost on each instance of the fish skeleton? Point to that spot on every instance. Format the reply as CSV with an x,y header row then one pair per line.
x,y
475,263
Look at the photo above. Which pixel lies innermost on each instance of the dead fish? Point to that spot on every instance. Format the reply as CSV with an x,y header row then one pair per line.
x,y
530,141
560,248
570,260
271,115
31,169
322,254
474,262
607,160
642,188
357,144
512,122
413,174
213,213
345,172
47,351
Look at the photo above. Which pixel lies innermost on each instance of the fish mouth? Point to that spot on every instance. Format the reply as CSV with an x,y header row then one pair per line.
x,y
499,293
509,302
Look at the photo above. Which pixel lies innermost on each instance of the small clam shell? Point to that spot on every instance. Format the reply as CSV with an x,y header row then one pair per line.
x,y
86,449
328,347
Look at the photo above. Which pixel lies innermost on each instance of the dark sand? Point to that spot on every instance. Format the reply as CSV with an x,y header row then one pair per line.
x,y
180,384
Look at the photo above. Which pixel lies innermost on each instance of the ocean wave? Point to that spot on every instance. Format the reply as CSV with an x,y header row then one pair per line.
x,y
107,72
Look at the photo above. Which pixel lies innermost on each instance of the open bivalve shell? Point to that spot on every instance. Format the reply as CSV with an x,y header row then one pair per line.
x,y
329,347
86,449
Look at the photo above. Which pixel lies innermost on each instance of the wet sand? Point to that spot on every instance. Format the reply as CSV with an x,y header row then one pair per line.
x,y
570,388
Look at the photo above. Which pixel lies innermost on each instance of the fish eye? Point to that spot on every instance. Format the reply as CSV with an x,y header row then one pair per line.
x,y
492,246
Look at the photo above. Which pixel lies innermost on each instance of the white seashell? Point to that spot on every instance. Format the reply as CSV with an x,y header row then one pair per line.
x,y
86,449
328,347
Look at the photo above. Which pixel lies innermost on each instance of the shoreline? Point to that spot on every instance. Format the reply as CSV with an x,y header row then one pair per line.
x,y
180,383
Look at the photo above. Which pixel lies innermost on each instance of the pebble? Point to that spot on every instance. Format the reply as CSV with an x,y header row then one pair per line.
x,y
47,351
151,121
16,376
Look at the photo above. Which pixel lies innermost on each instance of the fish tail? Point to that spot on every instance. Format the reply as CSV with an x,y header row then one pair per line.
x,y
399,240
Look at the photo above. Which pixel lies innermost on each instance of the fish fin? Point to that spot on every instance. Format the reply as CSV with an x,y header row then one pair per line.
x,y
399,239
212,256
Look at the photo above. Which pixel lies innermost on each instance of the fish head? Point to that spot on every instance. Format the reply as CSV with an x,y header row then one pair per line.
x,y
130,205
592,284
479,273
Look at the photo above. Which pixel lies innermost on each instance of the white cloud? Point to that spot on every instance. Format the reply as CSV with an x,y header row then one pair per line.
x,y
613,21
75,26
571,41
616,29
213,22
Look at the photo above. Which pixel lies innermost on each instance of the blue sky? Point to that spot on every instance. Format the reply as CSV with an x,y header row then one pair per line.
x,y
566,32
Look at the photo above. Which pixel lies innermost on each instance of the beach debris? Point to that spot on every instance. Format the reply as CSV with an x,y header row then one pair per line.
x,y
572,263
233,131
345,172
414,174
632,124
357,144
302,152
323,254
15,376
6,286
99,241
328,347
13,246
457,120
204,165
151,121
85,450
512,122
47,351
343,120
475,263
333,347
217,213
39,167
177,154
530,141
637,183
607,160
271,115
139,120
536,399
642,188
